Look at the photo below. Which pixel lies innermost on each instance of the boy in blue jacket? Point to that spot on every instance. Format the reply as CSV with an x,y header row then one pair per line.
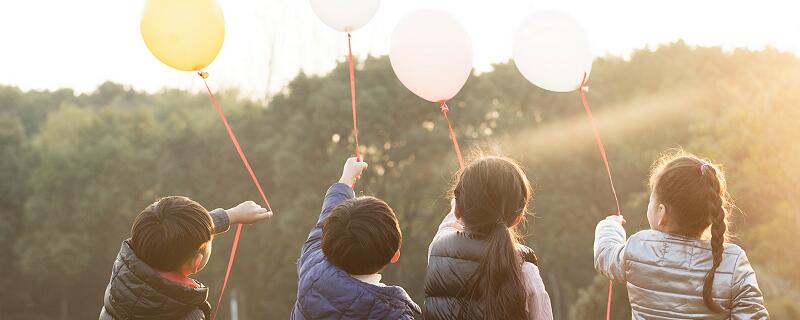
x,y
339,265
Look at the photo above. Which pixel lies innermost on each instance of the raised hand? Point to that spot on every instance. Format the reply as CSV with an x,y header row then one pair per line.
x,y
352,171
247,212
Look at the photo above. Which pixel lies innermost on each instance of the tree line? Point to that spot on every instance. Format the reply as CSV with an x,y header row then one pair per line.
x,y
75,169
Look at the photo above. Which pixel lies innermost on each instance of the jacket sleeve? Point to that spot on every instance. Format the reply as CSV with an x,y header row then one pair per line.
x,y
609,249
337,193
538,301
748,301
221,220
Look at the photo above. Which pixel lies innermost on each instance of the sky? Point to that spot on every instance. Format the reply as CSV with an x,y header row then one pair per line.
x,y
79,44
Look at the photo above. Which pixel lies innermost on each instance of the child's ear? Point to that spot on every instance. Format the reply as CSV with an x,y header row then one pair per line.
x,y
197,262
395,257
662,212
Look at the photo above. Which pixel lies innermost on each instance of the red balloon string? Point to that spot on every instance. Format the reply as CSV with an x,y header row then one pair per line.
x,y
353,99
445,110
246,163
608,171
353,96
608,304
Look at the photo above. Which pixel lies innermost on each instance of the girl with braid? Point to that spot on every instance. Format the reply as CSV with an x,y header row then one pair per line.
x,y
683,267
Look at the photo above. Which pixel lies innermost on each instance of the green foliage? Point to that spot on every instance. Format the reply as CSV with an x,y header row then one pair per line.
x,y
75,170
591,302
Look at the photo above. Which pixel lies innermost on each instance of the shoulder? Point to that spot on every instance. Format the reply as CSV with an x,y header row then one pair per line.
x,y
736,259
647,235
403,300
312,264
534,285
531,271
734,249
104,315
457,244
326,286
445,238
642,245
528,255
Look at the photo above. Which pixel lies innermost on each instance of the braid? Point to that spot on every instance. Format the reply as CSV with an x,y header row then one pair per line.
x,y
716,215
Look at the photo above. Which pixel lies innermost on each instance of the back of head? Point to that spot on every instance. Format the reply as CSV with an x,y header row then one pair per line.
x,y
693,190
492,195
361,236
171,231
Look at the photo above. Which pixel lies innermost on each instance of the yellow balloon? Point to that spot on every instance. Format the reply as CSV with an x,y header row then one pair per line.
x,y
184,34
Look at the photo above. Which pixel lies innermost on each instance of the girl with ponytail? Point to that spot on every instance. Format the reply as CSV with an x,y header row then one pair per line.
x,y
683,267
477,267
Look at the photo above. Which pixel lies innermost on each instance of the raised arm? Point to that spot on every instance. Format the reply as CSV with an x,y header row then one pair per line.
x,y
339,192
221,220
247,212
450,222
609,248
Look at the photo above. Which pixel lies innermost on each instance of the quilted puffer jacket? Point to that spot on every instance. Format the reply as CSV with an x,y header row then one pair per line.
x,y
664,274
327,292
137,291
454,257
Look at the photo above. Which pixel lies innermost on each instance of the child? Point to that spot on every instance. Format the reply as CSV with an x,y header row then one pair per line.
x,y
477,269
671,273
171,239
339,265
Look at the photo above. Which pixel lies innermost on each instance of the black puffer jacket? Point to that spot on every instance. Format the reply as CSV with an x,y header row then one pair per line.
x,y
137,291
454,257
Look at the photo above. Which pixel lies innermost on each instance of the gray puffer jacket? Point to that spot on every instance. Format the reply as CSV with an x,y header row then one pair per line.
x,y
137,291
665,272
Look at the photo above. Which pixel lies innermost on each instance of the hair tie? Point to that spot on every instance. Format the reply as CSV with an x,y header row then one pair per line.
x,y
703,168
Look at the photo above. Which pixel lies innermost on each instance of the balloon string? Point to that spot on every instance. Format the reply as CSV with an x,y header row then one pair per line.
x,y
445,110
246,163
353,98
599,143
608,304
608,170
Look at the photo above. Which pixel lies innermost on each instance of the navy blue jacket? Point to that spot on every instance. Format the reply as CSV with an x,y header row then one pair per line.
x,y
327,292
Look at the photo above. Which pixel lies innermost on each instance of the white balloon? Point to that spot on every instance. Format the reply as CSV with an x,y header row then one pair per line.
x,y
551,49
431,54
345,15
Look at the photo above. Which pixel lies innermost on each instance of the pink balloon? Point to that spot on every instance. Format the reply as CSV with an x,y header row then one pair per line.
x,y
431,54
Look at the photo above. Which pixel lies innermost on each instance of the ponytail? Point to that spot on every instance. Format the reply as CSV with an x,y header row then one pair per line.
x,y
498,281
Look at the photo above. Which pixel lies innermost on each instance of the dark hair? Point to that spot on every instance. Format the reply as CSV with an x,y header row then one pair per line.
x,y
694,192
169,232
492,195
361,235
